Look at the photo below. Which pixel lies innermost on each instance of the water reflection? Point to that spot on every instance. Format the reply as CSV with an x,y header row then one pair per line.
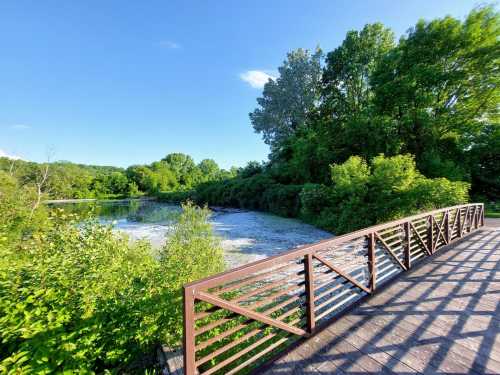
x,y
247,235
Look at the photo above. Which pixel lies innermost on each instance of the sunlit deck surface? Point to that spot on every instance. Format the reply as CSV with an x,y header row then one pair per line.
x,y
441,317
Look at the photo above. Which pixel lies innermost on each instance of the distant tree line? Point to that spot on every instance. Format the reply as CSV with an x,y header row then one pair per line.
x,y
175,172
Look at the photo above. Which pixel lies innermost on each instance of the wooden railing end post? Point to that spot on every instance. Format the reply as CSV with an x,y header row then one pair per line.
x,y
189,334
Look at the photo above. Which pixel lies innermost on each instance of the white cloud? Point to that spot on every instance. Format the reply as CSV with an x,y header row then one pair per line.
x,y
169,44
20,127
256,78
3,154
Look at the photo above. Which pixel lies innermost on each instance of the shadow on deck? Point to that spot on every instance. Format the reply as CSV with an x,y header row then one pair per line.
x,y
441,317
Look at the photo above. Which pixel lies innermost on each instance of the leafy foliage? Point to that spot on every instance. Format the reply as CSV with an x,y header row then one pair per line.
x,y
82,299
387,189
175,172
429,102
286,101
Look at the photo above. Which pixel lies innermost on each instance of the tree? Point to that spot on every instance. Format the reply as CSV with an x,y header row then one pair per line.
x,y
287,100
165,178
184,168
117,183
209,169
485,164
344,124
346,77
440,88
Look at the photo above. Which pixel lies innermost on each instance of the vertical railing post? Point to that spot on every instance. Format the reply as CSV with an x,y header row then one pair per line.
x,y
309,276
430,234
467,220
459,221
482,214
371,261
407,249
189,344
447,226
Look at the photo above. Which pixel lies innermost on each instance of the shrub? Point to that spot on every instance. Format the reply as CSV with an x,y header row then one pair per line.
x,y
282,200
390,188
76,297
174,196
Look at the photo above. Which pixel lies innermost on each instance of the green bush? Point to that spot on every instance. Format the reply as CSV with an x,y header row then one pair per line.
x,y
283,200
174,196
387,189
76,297
361,194
316,205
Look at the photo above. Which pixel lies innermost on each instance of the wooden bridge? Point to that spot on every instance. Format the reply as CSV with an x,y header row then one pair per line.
x,y
379,300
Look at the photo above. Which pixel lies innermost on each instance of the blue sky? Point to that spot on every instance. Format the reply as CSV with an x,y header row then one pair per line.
x,y
127,82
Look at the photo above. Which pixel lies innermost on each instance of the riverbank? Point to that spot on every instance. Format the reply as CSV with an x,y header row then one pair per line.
x,y
84,200
246,235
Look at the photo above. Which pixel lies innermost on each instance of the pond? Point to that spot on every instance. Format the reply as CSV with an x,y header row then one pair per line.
x,y
246,235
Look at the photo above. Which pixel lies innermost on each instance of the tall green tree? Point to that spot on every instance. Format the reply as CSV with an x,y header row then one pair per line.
x,y
287,100
439,88
346,77
184,168
344,124
347,124
209,170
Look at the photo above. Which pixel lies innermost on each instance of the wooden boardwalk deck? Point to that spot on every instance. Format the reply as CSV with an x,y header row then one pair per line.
x,y
441,317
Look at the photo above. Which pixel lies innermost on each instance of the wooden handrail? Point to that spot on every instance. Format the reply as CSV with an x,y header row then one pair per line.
x,y
242,324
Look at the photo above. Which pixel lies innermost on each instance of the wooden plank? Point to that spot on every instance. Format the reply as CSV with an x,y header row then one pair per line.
x,y
424,332
370,338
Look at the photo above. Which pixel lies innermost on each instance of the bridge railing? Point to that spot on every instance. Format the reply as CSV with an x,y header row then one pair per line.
x,y
237,320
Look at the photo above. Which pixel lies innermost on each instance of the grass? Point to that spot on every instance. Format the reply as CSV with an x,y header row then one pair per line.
x,y
491,214
492,210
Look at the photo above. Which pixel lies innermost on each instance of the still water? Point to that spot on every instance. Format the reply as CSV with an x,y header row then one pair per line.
x,y
246,235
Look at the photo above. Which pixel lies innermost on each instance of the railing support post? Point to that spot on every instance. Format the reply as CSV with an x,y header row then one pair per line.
x,y
459,221
447,226
371,261
407,245
482,214
189,344
309,275
430,234
467,220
